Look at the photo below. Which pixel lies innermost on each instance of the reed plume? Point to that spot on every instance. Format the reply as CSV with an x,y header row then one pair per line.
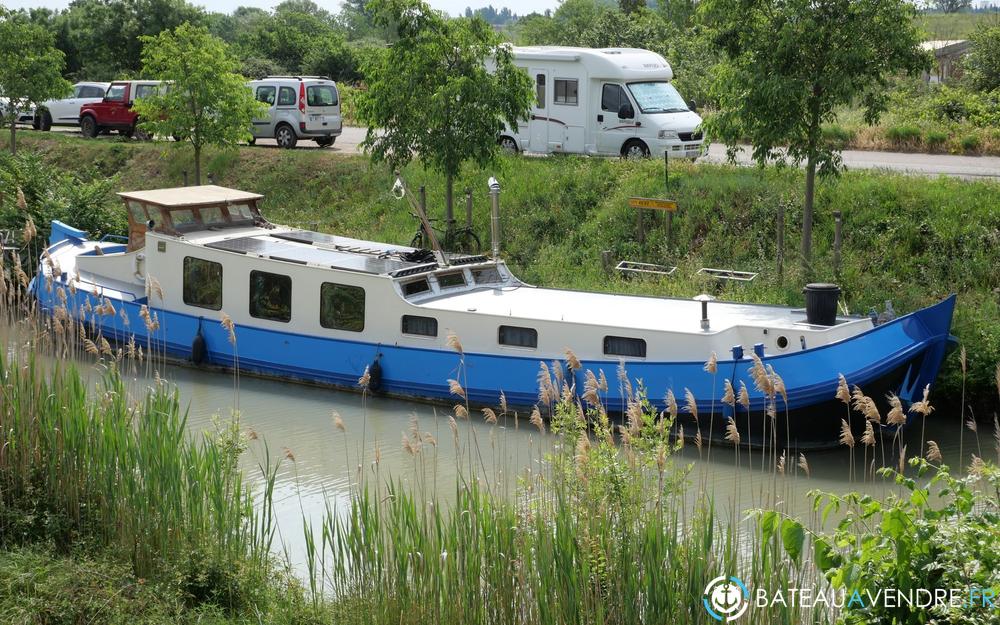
x,y
590,394
868,438
22,204
671,404
933,452
453,342
489,416
896,415
728,395
902,459
338,422
804,464
365,379
456,389
744,396
781,463
461,411
536,420
843,393
572,361
732,433
690,405
712,365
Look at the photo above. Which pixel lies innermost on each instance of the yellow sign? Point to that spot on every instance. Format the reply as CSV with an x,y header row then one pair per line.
x,y
646,202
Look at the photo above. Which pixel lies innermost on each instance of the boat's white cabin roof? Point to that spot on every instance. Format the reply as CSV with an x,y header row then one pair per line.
x,y
191,196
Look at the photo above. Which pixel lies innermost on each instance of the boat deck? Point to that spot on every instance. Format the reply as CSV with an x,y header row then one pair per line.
x,y
627,311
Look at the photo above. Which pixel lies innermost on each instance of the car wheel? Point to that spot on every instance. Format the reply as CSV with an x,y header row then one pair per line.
x,y
635,149
252,141
325,142
46,124
285,137
507,144
88,126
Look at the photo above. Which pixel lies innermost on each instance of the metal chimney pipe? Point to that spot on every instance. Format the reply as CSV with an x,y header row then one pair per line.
x,y
495,216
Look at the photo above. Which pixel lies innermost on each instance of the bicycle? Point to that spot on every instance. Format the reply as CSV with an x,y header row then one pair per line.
x,y
462,239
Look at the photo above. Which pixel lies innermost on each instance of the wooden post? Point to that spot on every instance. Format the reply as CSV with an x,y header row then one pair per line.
x,y
606,261
468,208
666,186
423,199
780,244
837,239
640,233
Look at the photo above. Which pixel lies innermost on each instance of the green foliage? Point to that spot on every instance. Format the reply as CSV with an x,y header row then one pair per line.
x,y
970,143
837,136
936,139
331,56
459,108
30,70
565,27
903,135
84,199
207,102
933,533
951,6
982,65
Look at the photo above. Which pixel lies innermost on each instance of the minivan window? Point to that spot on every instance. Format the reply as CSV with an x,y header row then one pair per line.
x,y
657,97
265,94
91,92
286,96
612,98
116,93
321,95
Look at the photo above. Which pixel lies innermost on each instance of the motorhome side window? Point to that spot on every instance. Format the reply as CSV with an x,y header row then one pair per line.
x,y
265,94
342,307
202,283
518,337
286,97
567,91
270,296
612,98
540,91
421,326
624,346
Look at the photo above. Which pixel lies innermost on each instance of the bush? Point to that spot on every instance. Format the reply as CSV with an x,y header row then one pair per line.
x,y
837,136
936,139
970,143
982,65
903,135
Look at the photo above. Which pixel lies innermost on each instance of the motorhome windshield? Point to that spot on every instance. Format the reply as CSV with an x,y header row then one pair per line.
x,y
657,97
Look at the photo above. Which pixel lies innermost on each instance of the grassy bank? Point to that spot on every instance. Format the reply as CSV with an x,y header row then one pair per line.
x,y
907,239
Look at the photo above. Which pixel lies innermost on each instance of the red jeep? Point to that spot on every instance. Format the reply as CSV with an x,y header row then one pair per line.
x,y
115,112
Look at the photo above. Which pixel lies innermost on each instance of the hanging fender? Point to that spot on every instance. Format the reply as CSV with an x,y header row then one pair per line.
x,y
198,348
375,374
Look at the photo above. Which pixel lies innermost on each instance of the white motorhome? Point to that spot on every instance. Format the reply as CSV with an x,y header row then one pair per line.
x,y
610,101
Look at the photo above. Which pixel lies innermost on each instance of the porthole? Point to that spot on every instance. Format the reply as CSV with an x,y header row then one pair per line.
x,y
782,342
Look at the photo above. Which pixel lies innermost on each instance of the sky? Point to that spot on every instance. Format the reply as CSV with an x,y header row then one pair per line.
x,y
454,7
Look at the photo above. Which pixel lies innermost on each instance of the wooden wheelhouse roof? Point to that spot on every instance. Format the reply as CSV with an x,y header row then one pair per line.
x,y
178,197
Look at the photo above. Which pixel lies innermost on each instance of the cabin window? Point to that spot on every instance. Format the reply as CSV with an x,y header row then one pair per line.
x,y
624,346
270,296
138,212
487,275
212,216
286,97
540,91
182,217
612,98
342,307
202,283
144,91
240,211
116,93
415,287
265,94
518,337
321,95
567,92
421,326
451,280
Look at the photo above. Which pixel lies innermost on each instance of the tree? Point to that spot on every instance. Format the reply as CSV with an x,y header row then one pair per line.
x,y
982,65
951,6
30,70
631,6
207,102
431,95
791,63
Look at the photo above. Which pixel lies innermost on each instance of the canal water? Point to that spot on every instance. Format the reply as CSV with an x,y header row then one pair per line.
x,y
320,462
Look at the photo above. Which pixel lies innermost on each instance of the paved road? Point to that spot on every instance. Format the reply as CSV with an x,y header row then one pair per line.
x,y
966,167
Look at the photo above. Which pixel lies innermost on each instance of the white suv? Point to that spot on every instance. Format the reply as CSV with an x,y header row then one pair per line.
x,y
300,107
66,112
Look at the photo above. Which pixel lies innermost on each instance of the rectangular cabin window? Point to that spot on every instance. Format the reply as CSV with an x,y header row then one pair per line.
x,y
487,275
240,212
182,217
415,287
567,92
212,216
612,98
451,280
138,212
514,336
342,307
421,326
624,346
540,91
202,283
270,296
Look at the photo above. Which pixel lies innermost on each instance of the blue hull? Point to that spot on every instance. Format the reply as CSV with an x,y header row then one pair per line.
x,y
902,356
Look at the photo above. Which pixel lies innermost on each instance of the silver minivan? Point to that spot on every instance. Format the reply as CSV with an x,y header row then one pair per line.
x,y
299,107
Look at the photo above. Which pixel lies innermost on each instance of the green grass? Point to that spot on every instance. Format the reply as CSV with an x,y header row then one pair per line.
x,y
953,25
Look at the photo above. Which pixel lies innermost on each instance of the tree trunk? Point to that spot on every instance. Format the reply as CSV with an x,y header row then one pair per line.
x,y
807,216
13,142
197,164
449,207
